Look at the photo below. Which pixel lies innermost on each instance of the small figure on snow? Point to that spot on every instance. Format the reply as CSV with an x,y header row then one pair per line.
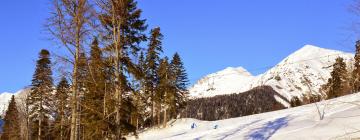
x,y
193,126
216,126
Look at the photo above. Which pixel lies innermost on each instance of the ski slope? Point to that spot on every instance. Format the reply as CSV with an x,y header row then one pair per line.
x,y
341,121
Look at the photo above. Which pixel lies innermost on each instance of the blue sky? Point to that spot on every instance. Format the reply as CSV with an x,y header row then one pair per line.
x,y
210,35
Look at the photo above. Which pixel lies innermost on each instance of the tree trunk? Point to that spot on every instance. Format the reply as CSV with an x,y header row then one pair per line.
x,y
165,117
40,120
159,115
74,101
152,109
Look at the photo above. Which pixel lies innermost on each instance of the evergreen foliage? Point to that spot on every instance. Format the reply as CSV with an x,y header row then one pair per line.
x,y
338,85
62,110
257,100
356,72
11,128
40,100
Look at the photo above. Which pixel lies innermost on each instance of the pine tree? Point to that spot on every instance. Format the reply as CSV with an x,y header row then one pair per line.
x,y
356,72
82,80
338,84
166,89
11,129
181,82
152,64
139,98
40,98
124,26
93,102
61,102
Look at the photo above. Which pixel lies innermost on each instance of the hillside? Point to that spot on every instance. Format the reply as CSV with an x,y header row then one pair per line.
x,y
340,122
302,72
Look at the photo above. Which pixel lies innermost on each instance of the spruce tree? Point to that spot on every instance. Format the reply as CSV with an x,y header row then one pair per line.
x,y
94,97
62,102
139,98
356,71
40,98
338,84
181,81
11,128
152,64
166,89
125,30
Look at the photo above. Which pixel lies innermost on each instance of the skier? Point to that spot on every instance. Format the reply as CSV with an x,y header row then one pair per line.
x,y
193,126
216,126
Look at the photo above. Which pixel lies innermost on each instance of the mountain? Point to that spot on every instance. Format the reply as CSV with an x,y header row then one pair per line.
x,y
341,121
302,72
226,81
6,97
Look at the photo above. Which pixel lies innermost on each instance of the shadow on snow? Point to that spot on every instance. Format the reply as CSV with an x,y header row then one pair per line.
x,y
238,130
269,129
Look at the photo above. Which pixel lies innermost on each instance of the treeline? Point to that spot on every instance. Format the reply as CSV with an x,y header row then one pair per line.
x,y
115,87
343,81
258,100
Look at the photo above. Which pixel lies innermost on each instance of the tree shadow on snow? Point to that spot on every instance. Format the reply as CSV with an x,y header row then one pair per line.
x,y
269,129
237,130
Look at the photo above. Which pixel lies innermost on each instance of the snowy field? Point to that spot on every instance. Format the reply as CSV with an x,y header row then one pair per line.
x,y
341,121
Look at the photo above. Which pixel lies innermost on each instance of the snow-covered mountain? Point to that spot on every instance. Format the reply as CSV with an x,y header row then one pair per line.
x,y
6,97
229,80
303,72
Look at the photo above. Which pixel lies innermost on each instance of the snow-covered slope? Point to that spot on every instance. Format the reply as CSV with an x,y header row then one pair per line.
x,y
341,121
303,72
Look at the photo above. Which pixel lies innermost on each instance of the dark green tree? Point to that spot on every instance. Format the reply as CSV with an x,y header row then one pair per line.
x,y
40,98
181,82
165,95
338,84
93,110
152,65
62,107
124,28
11,128
356,72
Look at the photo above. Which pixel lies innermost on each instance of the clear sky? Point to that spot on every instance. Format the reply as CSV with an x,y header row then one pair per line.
x,y
209,35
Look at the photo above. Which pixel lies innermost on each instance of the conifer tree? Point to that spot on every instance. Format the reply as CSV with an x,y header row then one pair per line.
x,y
11,128
93,102
338,84
356,71
152,64
61,102
181,81
166,89
139,98
40,98
122,21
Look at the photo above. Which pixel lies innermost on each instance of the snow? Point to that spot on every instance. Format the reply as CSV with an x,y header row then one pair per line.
x,y
227,81
6,97
341,122
302,72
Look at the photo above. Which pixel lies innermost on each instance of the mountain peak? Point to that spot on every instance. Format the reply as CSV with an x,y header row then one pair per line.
x,y
234,70
311,52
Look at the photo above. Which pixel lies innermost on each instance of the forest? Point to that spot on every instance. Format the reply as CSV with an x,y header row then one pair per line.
x,y
111,84
258,100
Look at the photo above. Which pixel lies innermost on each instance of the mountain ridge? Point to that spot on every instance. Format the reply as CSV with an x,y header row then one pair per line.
x,y
302,72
